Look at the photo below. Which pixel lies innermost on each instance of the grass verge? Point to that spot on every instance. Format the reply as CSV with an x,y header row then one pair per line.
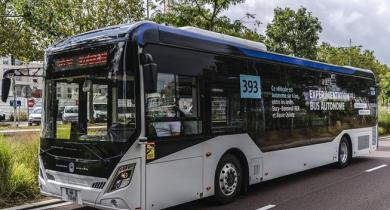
x,y
18,169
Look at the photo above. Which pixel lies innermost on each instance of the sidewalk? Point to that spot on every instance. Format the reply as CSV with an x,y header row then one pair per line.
x,y
13,131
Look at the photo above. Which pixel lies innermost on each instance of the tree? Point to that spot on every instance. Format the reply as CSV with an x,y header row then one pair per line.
x,y
40,23
206,14
50,17
384,83
354,56
293,32
364,59
14,34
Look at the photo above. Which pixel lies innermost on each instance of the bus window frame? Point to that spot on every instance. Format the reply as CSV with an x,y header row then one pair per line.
x,y
178,118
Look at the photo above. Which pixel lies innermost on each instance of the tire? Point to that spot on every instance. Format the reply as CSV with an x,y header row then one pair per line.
x,y
344,154
29,124
228,179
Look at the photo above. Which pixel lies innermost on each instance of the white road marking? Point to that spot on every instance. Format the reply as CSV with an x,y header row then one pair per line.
x,y
266,207
376,168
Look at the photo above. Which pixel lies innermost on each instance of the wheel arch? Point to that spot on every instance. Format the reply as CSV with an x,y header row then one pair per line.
x,y
244,164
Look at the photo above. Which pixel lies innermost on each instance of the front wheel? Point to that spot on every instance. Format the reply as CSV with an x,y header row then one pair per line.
x,y
344,153
228,179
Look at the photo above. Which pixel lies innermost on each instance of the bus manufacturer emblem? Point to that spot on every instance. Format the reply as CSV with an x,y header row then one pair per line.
x,y
71,167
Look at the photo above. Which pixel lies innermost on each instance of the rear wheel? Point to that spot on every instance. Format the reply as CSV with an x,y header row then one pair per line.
x,y
228,179
344,153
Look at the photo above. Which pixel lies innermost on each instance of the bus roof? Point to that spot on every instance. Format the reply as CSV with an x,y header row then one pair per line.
x,y
145,32
116,32
229,39
244,47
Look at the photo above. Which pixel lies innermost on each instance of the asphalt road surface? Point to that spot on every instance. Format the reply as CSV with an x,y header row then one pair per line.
x,y
364,184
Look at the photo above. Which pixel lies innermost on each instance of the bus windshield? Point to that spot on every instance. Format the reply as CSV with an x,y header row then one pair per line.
x,y
89,108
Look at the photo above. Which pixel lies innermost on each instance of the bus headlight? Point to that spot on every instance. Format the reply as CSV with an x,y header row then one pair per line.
x,y
122,177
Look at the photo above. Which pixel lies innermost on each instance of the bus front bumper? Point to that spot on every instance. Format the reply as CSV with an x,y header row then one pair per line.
x,y
86,190
86,203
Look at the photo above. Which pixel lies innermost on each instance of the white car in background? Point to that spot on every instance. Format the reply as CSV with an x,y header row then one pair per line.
x,y
70,114
35,116
100,112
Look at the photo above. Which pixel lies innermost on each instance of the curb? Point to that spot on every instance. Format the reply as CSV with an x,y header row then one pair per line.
x,y
36,205
13,132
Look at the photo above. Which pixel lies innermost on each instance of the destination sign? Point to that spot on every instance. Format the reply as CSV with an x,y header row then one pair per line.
x,y
81,61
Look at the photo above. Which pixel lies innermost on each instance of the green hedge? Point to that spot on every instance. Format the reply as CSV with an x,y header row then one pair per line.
x,y
22,116
384,121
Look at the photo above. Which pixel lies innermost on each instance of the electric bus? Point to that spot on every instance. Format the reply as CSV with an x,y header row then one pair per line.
x,y
209,115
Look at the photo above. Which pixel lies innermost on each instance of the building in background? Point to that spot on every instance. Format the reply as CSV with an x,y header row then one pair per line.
x,y
67,94
36,85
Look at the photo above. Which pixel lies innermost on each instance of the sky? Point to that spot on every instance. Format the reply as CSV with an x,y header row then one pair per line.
x,y
366,23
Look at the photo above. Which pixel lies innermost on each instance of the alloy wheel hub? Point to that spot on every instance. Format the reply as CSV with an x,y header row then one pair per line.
x,y
228,179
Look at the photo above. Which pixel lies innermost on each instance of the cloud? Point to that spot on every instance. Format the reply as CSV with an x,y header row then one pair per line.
x,y
365,22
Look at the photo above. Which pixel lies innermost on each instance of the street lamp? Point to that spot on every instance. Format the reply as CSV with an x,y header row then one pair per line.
x,y
350,47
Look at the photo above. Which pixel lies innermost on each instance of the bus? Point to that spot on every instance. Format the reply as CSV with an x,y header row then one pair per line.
x,y
211,115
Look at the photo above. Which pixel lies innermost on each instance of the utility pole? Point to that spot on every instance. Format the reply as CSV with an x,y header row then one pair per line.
x,y
14,103
350,47
350,51
147,9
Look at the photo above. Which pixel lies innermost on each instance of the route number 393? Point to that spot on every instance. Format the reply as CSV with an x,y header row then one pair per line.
x,y
250,86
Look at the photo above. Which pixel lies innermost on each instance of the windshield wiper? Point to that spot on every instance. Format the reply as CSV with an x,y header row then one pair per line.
x,y
85,145
101,159
54,147
94,153
45,151
104,160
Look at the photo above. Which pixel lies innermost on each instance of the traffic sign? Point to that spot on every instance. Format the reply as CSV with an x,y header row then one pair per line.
x,y
18,103
31,103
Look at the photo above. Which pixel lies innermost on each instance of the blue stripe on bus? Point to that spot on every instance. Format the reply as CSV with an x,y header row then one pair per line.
x,y
296,61
248,52
141,30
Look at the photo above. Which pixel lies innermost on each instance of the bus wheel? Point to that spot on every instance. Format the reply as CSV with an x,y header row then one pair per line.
x,y
228,179
344,153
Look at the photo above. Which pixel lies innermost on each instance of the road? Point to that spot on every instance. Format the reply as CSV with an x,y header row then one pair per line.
x,y
364,184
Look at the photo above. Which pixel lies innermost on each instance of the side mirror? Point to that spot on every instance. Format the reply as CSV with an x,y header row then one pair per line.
x,y
150,74
5,86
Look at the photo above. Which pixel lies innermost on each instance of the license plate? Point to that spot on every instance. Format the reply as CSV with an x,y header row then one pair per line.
x,y
71,195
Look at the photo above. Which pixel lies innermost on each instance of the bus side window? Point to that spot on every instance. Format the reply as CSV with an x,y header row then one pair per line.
x,y
173,109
